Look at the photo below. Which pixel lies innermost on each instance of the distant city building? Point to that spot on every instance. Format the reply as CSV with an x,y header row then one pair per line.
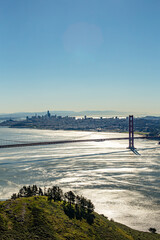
x,y
149,126
48,114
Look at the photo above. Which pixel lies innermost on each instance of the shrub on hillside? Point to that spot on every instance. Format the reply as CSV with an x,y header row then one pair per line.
x,y
152,230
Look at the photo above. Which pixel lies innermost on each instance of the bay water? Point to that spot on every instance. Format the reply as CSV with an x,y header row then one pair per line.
x,y
123,186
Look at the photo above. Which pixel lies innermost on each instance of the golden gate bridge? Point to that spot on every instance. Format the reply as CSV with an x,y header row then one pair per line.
x,y
131,138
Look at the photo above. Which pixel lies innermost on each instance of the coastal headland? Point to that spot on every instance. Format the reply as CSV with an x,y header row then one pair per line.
x,y
38,216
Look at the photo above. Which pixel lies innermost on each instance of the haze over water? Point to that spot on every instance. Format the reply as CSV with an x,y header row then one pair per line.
x,y
122,186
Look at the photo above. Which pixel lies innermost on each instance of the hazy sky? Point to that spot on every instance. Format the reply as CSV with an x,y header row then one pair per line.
x,y
80,55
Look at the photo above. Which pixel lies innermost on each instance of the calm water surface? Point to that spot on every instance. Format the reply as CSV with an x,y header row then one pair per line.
x,y
123,186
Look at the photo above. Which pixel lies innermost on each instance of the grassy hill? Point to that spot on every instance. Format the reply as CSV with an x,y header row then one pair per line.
x,y
36,218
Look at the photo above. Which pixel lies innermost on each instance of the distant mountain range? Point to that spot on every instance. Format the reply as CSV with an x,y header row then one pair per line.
x,y
20,115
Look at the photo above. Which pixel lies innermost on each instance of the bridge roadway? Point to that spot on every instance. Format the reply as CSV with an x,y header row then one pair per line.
x,y
64,141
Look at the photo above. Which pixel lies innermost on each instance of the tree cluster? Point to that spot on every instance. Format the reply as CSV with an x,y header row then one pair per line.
x,y
28,192
78,206
74,206
54,193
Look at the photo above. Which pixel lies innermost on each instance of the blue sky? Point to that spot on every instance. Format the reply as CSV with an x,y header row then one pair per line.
x,y
80,55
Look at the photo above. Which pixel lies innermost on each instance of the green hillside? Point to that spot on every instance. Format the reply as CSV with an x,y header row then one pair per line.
x,y
33,218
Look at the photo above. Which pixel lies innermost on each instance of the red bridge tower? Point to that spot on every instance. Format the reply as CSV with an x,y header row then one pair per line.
x,y
131,133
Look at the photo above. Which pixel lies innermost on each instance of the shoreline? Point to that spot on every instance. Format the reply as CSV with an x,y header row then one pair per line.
x,y
78,130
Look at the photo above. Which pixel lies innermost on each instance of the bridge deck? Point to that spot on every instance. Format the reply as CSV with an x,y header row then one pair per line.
x,y
64,141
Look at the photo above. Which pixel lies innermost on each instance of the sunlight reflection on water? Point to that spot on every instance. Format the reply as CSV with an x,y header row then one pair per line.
x,y
122,186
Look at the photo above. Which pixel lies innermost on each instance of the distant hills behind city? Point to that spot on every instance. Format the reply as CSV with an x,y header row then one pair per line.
x,y
71,114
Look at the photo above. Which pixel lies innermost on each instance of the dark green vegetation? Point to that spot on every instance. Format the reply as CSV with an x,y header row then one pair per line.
x,y
74,206
34,218
43,217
